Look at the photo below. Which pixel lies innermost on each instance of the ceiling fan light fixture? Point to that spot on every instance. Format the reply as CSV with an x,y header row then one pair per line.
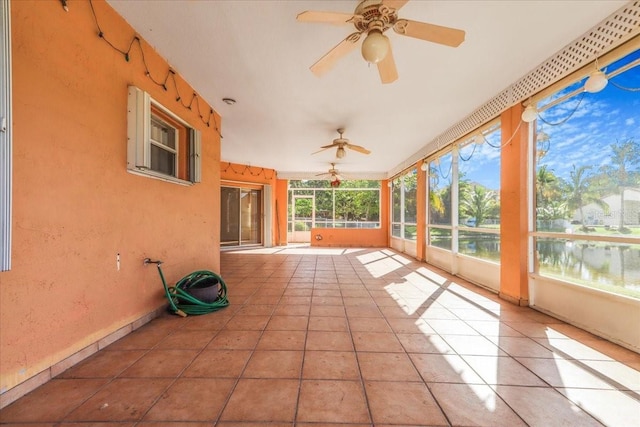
x,y
530,113
596,82
340,153
375,46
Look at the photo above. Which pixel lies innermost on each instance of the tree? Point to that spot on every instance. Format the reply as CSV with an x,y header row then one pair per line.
x,y
580,192
410,194
547,186
620,173
480,204
436,204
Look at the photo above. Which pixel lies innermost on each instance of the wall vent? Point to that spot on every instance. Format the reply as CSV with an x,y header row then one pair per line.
x,y
615,30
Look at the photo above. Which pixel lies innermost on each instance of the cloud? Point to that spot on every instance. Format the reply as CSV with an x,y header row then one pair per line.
x,y
630,121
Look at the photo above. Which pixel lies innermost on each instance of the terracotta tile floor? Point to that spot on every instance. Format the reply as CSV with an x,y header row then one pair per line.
x,y
345,338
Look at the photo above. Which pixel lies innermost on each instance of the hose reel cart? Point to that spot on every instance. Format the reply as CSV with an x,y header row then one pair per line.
x,y
200,292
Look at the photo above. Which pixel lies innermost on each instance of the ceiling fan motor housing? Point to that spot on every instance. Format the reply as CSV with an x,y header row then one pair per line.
x,y
372,14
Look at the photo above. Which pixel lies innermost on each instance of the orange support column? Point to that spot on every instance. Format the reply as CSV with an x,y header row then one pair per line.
x,y
421,214
281,210
513,208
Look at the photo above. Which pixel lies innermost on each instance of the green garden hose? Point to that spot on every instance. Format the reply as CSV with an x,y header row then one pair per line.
x,y
182,302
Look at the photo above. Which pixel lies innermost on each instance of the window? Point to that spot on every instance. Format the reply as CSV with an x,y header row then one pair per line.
x,y
587,183
479,195
464,195
404,206
161,145
439,201
5,137
396,207
355,204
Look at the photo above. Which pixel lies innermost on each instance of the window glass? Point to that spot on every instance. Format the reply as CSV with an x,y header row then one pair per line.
x,y
404,206
396,198
162,134
410,184
440,190
396,207
324,208
479,180
163,161
396,230
479,195
440,237
614,267
354,204
410,191
479,245
229,216
587,182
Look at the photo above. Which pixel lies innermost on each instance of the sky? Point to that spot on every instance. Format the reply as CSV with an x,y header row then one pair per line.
x,y
591,123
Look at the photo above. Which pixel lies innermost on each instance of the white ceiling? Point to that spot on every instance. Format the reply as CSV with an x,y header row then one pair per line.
x,y
255,52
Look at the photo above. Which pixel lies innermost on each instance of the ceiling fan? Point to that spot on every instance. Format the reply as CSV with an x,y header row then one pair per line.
x,y
343,143
332,173
374,17
335,178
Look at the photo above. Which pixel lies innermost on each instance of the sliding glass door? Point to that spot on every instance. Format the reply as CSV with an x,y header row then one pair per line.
x,y
240,216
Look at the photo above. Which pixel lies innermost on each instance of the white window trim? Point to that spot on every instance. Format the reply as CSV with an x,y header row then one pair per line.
x,y
139,139
5,136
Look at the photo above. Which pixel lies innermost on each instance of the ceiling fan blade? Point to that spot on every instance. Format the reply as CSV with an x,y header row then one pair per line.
x,y
387,68
432,33
325,63
358,148
336,18
395,4
330,145
321,149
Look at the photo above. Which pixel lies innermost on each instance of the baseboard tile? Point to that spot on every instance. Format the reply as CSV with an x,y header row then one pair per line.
x,y
15,393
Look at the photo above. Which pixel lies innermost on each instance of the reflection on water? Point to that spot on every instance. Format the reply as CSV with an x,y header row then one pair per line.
x,y
479,245
605,265
599,263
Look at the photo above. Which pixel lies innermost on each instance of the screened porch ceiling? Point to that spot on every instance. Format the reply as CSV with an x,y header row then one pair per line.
x,y
258,54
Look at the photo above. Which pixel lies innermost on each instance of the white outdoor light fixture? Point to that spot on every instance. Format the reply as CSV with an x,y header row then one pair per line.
x,y
375,47
596,82
530,113
424,166
542,136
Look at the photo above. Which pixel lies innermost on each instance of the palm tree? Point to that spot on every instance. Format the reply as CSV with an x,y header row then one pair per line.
x,y
479,203
580,192
546,186
625,156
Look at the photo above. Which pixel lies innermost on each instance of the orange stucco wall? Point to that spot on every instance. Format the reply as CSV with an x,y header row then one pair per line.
x,y
362,238
75,206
